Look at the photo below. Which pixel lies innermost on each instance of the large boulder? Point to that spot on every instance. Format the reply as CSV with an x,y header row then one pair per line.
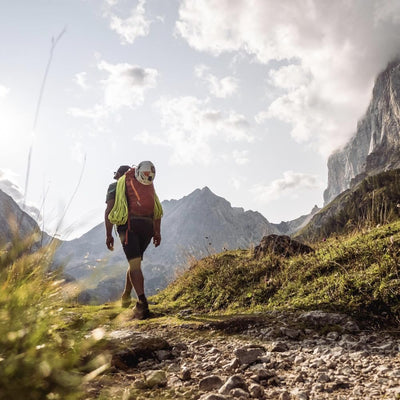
x,y
281,245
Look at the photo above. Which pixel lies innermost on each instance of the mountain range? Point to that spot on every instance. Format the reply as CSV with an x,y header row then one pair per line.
x,y
197,225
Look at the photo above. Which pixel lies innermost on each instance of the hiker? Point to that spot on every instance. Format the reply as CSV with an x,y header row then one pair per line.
x,y
134,207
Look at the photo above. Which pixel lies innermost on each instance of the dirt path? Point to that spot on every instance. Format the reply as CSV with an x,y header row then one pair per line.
x,y
311,355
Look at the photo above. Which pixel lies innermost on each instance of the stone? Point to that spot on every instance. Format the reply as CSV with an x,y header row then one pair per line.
x,y
234,364
238,393
163,355
279,347
291,333
186,375
256,391
235,381
156,378
332,335
323,378
248,356
284,396
320,318
210,383
212,396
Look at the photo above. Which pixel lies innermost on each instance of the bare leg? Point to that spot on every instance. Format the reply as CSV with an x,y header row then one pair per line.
x,y
128,286
141,310
135,276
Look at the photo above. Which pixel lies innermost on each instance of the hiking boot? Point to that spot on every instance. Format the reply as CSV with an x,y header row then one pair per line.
x,y
125,301
141,310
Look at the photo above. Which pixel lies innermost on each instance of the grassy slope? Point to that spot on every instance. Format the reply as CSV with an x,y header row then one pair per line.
x,y
358,274
373,201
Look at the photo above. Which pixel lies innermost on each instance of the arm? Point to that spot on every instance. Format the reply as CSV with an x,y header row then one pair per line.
x,y
158,213
157,232
109,225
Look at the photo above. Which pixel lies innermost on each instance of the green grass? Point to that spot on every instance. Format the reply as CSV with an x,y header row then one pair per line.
x,y
43,353
357,274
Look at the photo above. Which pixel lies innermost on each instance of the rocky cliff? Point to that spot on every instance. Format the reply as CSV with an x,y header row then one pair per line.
x,y
14,223
375,147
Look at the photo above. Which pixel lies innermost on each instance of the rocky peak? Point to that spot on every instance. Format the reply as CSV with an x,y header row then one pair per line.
x,y
13,220
375,146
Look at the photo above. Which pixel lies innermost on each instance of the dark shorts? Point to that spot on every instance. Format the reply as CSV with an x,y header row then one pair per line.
x,y
139,236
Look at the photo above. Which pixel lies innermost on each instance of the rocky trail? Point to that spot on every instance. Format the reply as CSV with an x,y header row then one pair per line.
x,y
310,355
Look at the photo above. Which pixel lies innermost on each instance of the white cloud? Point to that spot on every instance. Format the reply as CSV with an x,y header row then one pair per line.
x,y
221,88
95,113
291,183
335,50
126,84
77,152
80,80
289,77
240,157
3,91
136,25
236,183
190,124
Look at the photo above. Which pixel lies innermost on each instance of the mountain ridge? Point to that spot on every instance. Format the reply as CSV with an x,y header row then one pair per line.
x,y
375,146
199,224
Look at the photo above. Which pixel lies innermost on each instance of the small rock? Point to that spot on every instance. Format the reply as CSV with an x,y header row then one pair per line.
x,y
211,382
284,396
248,356
163,355
234,364
279,347
239,393
235,381
186,375
256,391
140,384
156,378
212,396
299,395
351,326
323,378
298,360
332,335
290,333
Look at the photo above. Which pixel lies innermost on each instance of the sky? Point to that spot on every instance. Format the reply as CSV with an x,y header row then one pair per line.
x,y
247,97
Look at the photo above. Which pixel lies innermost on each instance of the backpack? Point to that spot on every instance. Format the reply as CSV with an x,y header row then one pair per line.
x,y
140,197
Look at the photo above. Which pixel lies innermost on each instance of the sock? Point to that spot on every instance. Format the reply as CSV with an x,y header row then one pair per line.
x,y
142,298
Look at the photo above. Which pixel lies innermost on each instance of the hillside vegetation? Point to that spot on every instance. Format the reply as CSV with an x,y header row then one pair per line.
x,y
357,274
44,353
375,200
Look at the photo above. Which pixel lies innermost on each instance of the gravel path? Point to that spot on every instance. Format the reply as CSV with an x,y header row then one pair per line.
x,y
313,355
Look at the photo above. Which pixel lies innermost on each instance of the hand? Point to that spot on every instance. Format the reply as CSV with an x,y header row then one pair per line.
x,y
110,242
156,239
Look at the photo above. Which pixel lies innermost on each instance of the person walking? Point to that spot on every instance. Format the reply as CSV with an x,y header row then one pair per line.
x,y
133,205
